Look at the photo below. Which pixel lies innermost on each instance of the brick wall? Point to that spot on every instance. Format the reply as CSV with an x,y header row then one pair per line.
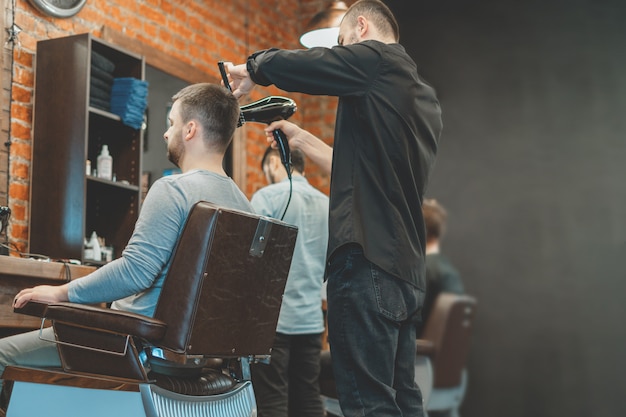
x,y
198,33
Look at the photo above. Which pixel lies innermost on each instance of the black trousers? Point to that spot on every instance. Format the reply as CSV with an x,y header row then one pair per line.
x,y
289,385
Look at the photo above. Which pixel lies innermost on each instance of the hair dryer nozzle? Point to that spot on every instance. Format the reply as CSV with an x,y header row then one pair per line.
x,y
269,109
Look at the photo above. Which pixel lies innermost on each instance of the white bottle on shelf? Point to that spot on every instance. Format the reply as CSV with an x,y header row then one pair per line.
x,y
95,244
105,164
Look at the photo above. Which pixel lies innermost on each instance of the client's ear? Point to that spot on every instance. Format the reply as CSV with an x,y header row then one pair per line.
x,y
190,129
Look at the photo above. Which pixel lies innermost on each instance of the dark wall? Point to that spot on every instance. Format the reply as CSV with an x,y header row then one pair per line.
x,y
532,168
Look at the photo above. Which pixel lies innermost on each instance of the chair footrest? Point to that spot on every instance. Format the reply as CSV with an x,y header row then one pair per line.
x,y
58,377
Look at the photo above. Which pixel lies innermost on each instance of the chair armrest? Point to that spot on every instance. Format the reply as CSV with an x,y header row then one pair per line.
x,y
105,319
33,308
425,347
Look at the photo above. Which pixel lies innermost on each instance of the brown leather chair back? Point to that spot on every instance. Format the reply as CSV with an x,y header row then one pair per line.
x,y
224,289
448,329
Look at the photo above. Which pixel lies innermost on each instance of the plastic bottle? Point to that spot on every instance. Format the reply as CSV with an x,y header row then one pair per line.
x,y
105,164
88,249
95,244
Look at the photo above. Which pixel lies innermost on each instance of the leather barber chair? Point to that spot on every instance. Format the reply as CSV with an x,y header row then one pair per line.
x,y
217,312
442,351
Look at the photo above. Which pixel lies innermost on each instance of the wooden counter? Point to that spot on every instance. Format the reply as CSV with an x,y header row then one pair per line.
x,y
19,273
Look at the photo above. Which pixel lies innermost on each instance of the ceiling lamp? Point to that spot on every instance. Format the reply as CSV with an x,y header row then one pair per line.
x,y
323,29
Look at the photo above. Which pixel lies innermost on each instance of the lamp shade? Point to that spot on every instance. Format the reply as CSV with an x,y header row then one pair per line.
x,y
323,29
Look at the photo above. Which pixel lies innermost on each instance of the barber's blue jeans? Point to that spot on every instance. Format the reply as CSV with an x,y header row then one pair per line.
x,y
371,329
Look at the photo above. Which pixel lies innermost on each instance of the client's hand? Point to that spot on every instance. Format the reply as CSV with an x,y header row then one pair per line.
x,y
46,293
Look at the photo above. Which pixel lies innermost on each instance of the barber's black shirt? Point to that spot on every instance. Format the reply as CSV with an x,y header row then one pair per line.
x,y
386,133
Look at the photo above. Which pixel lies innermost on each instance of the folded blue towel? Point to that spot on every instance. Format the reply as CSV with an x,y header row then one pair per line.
x,y
129,99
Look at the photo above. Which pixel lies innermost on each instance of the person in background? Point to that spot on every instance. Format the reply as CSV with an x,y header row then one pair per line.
x,y
441,275
386,136
289,384
202,120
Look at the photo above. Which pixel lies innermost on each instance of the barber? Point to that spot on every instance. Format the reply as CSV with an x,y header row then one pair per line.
x,y
387,129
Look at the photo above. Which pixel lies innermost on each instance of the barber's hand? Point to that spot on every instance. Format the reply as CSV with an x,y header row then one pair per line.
x,y
290,130
298,138
239,79
294,133
47,293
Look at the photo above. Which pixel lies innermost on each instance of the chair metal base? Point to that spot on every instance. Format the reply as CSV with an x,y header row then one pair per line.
x,y
449,399
240,402
424,376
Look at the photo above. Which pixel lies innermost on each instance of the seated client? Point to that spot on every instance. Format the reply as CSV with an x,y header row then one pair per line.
x,y
441,275
202,121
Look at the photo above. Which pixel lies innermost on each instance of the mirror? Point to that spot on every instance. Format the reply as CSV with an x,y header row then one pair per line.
x,y
161,87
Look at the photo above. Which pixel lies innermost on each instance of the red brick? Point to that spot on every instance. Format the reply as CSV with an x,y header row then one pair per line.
x,y
21,112
27,41
18,212
19,131
150,30
168,7
66,25
19,232
23,76
21,150
25,21
23,58
91,14
153,14
19,191
21,94
19,170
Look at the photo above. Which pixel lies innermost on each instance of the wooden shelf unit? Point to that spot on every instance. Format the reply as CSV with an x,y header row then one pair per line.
x,y
66,204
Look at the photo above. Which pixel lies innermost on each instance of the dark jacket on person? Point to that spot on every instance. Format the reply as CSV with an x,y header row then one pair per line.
x,y
386,134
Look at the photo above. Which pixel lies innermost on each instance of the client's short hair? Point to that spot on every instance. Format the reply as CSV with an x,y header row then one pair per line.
x,y
214,107
297,158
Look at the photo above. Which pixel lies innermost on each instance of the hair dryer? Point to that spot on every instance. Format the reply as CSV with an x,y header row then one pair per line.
x,y
268,110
